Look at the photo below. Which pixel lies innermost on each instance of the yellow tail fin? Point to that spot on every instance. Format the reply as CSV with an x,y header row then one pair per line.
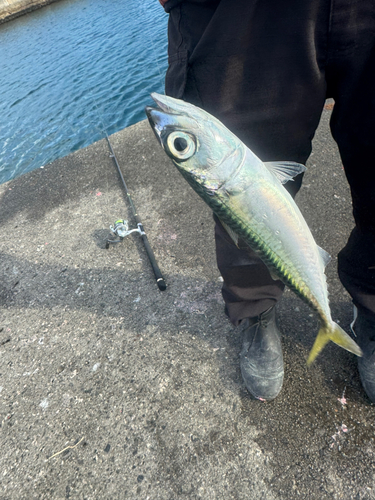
x,y
335,333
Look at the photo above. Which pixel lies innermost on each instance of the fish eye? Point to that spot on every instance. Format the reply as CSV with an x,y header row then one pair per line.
x,y
181,145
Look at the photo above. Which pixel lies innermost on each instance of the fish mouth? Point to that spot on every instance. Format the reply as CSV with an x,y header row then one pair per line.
x,y
169,105
164,116
157,115
153,116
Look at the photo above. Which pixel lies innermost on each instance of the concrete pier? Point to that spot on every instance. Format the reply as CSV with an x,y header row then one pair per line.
x,y
10,9
112,389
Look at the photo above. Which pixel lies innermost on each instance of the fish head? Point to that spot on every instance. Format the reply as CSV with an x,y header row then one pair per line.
x,y
202,148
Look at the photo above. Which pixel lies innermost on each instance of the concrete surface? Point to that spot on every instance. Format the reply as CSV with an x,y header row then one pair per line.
x,y
10,9
110,388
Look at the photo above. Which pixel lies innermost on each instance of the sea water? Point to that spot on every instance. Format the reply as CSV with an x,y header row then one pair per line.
x,y
73,71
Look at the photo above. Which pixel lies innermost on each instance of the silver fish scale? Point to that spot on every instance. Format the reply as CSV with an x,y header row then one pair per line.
x,y
289,276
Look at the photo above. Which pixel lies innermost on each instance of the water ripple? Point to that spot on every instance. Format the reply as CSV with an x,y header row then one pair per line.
x,y
66,68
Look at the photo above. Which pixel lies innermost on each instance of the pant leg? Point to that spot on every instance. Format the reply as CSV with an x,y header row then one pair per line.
x,y
259,68
350,76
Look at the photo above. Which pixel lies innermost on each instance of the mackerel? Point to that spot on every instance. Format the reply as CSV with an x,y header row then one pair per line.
x,y
249,198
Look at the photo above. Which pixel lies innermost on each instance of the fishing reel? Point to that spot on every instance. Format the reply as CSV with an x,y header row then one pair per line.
x,y
121,229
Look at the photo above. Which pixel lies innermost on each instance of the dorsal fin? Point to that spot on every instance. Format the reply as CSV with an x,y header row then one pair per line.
x,y
285,170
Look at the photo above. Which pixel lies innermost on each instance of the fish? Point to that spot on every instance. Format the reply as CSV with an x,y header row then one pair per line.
x,y
249,198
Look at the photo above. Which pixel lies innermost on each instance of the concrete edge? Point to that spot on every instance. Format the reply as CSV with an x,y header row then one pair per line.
x,y
12,9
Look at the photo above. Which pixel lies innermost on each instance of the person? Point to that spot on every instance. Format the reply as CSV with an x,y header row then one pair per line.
x,y
265,70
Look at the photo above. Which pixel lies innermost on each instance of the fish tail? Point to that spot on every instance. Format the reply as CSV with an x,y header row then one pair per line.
x,y
335,333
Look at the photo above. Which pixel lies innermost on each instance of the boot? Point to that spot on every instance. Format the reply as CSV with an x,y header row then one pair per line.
x,y
261,358
363,327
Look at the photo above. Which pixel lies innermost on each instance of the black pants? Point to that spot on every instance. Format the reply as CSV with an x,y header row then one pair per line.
x,y
265,68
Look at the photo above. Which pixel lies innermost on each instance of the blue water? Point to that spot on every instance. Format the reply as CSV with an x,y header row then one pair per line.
x,y
73,69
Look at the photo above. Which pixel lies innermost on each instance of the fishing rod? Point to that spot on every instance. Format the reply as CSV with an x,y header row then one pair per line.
x,y
121,229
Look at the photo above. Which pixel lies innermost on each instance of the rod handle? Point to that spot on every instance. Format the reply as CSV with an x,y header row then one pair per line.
x,y
158,276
